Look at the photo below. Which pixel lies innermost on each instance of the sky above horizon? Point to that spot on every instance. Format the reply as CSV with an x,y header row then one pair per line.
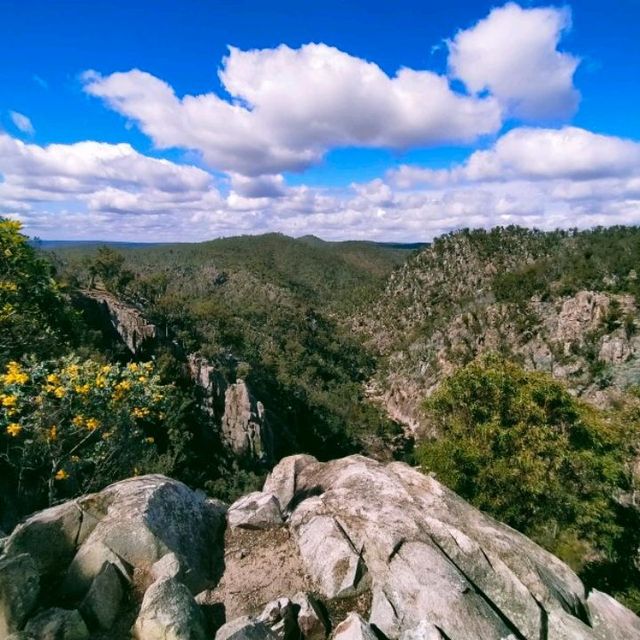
x,y
389,121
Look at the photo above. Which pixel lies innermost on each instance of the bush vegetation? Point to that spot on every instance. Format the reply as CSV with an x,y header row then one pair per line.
x,y
517,445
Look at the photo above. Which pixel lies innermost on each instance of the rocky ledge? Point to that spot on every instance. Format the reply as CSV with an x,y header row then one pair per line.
x,y
351,549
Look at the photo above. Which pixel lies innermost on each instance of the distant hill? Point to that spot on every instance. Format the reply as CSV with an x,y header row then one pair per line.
x,y
334,274
271,309
49,245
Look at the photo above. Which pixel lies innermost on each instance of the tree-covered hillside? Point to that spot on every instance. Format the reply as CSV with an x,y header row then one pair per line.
x,y
562,302
268,309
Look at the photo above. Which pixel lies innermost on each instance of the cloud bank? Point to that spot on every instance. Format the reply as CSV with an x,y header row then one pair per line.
x,y
286,108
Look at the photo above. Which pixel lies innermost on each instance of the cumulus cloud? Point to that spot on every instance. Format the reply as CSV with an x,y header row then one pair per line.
x,y
84,166
544,178
536,154
513,53
22,122
289,106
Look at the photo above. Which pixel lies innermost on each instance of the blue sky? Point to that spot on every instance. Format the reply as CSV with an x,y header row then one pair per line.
x,y
454,145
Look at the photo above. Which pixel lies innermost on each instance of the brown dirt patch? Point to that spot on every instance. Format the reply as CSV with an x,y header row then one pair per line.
x,y
260,566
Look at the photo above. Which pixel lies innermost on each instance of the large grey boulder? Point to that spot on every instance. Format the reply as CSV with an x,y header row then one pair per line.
x,y
101,605
333,558
245,628
169,612
606,614
257,510
57,624
146,518
430,558
282,481
424,631
169,566
19,589
51,536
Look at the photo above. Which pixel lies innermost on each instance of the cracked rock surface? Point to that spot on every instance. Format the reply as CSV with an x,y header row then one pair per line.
x,y
352,549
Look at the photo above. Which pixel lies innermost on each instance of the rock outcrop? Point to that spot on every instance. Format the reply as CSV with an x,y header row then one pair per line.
x,y
92,551
244,425
387,551
19,590
125,319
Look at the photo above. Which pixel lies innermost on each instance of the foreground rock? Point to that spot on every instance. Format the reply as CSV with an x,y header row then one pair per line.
x,y
144,519
169,612
389,551
91,551
19,589
354,628
258,510
429,556
57,624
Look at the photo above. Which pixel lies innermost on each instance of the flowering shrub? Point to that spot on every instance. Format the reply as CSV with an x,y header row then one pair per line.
x,y
79,425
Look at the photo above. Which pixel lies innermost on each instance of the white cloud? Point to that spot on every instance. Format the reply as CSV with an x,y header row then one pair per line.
x,y
536,154
513,53
22,122
543,178
289,106
84,166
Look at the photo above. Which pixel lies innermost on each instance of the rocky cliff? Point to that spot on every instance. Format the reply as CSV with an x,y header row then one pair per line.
x,y
476,292
351,549
234,411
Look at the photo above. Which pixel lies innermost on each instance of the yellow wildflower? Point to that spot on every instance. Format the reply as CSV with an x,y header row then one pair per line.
x,y
53,433
53,378
147,366
78,421
9,401
142,379
106,368
14,429
59,392
140,412
72,371
132,366
61,475
101,382
149,440
82,389
5,285
92,424
15,375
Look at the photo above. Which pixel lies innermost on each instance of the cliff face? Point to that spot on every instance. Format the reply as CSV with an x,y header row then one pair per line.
x,y
233,409
128,322
351,548
445,307
244,424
